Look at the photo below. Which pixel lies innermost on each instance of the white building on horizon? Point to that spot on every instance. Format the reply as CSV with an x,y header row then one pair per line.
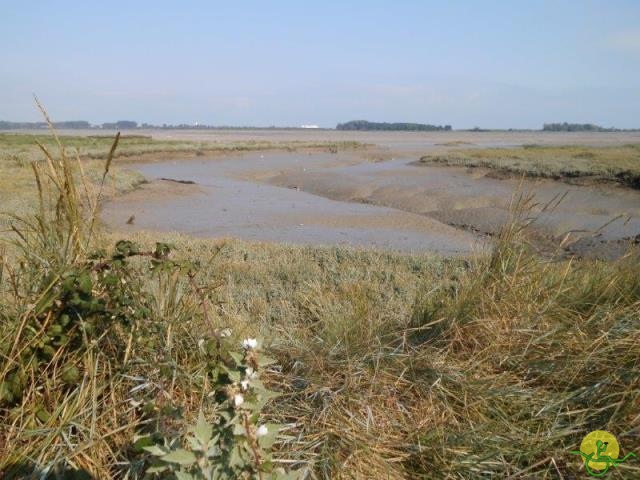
x,y
309,126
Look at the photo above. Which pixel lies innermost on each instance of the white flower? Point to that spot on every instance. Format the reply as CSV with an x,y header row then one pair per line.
x,y
249,343
238,399
250,373
262,431
225,333
201,344
244,384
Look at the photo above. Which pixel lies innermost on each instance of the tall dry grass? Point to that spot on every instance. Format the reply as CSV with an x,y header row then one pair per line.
x,y
69,369
61,404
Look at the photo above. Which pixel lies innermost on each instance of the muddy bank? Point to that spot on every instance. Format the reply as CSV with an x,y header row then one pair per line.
x,y
584,179
345,198
229,199
588,219
397,141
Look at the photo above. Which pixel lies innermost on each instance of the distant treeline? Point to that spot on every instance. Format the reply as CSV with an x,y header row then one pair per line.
x,y
362,125
121,125
186,126
579,127
126,125
73,125
410,127
30,125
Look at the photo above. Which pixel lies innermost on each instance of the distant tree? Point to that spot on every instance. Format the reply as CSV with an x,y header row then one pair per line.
x,y
365,125
120,125
73,124
575,127
126,124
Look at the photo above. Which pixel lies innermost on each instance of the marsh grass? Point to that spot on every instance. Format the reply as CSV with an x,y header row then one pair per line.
x,y
20,149
388,365
619,164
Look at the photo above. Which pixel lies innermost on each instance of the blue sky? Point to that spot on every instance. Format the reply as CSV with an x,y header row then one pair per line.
x,y
467,63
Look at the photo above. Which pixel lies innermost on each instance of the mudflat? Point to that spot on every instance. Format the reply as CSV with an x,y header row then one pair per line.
x,y
373,197
398,141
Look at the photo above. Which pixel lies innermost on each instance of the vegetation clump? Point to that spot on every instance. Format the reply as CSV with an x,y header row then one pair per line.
x,y
570,163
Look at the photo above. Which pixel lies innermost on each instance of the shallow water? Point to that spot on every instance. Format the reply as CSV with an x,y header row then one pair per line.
x,y
470,198
343,199
225,202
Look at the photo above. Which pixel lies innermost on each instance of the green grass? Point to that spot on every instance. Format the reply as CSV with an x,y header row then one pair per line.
x,y
387,365
620,164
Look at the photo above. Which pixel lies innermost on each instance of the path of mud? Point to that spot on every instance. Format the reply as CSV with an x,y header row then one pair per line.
x,y
344,199
471,200
228,200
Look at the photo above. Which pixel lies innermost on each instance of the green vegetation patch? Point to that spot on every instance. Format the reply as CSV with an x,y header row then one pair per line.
x,y
620,164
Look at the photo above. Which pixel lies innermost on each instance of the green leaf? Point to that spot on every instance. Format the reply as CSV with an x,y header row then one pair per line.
x,y
142,441
234,376
263,361
239,429
207,472
156,469
84,283
238,357
180,456
184,476
226,415
155,450
215,450
195,445
235,459
203,430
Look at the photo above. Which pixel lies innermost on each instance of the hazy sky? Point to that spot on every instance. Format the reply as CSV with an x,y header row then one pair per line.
x,y
466,63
